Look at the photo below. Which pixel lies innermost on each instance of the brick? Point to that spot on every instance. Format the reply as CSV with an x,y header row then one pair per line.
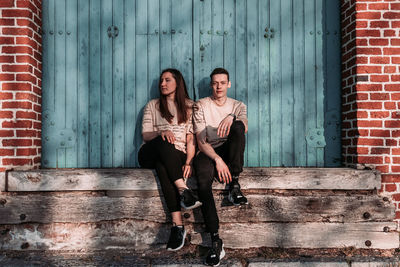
x,y
378,6
395,60
396,160
26,41
379,96
369,69
389,69
392,87
16,161
17,142
390,187
6,59
380,150
27,133
370,142
395,42
370,160
391,15
379,60
27,59
26,115
7,22
395,6
395,24
368,51
361,42
369,123
26,96
17,68
395,115
386,178
378,42
392,124
6,114
26,152
37,125
369,105
6,133
396,133
379,114
7,77
391,51
7,40
18,31
379,24
6,152
382,168
17,86
28,78
395,168
379,133
37,142
7,3
369,15
389,105
361,96
17,50
13,13
368,87
379,78
389,33
395,78
390,142
27,4
6,96
20,105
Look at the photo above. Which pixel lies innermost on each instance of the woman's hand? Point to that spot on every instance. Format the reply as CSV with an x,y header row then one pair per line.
x,y
168,135
187,171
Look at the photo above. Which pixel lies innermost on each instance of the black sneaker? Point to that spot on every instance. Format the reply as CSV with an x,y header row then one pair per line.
x,y
215,254
189,200
176,238
236,196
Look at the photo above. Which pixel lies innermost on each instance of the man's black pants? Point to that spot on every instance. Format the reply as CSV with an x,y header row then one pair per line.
x,y
232,152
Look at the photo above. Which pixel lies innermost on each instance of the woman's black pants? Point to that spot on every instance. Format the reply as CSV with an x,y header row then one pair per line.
x,y
168,161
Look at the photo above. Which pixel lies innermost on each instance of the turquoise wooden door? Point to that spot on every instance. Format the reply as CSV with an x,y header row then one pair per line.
x,y
102,59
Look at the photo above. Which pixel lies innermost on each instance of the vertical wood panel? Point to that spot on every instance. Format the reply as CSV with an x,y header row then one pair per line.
x,y
300,144
154,48
165,34
319,74
132,121
310,94
118,114
287,83
217,45
49,152
263,82
141,50
196,49
60,82
253,149
241,59
83,83
71,77
95,84
229,42
106,85
332,85
276,84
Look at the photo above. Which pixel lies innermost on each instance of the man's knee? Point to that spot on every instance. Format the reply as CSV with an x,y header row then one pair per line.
x,y
237,127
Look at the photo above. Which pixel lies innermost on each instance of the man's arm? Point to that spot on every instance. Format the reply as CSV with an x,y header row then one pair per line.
x,y
224,174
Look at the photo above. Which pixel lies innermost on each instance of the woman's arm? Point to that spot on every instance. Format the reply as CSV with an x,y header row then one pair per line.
x,y
190,151
147,136
165,135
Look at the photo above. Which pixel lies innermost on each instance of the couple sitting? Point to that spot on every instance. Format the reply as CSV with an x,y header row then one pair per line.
x,y
169,125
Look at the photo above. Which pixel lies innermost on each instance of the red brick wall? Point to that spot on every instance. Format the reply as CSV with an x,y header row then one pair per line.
x,y
371,89
20,83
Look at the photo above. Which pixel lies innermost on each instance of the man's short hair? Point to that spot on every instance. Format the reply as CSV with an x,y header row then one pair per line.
x,y
219,71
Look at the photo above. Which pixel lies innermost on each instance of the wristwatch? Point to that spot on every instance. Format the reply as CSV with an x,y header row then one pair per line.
x,y
233,115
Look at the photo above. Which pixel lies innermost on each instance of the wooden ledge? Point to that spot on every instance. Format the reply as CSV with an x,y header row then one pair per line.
x,y
145,179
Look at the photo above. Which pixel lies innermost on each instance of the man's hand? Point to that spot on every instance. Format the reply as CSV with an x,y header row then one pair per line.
x,y
168,135
225,126
187,171
224,175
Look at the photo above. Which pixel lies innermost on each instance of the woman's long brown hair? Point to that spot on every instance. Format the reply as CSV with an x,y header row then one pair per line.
x,y
181,95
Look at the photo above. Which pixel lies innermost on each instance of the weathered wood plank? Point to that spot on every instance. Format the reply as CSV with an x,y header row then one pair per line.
x,y
78,207
144,179
306,235
139,235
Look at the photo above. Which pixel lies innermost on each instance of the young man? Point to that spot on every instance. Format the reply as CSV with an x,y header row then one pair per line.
x,y
220,123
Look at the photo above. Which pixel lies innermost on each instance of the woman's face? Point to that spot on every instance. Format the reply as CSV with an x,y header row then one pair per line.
x,y
168,84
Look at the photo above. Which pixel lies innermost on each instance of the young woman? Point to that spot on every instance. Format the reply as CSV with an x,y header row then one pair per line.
x,y
170,147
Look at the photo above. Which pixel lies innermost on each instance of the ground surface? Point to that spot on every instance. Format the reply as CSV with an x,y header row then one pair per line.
x,y
193,255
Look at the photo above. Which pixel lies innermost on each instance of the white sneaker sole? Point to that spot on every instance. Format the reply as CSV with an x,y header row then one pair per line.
x,y
230,198
196,205
181,246
221,256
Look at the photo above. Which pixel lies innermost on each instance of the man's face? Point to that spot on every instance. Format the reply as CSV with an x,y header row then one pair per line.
x,y
220,85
